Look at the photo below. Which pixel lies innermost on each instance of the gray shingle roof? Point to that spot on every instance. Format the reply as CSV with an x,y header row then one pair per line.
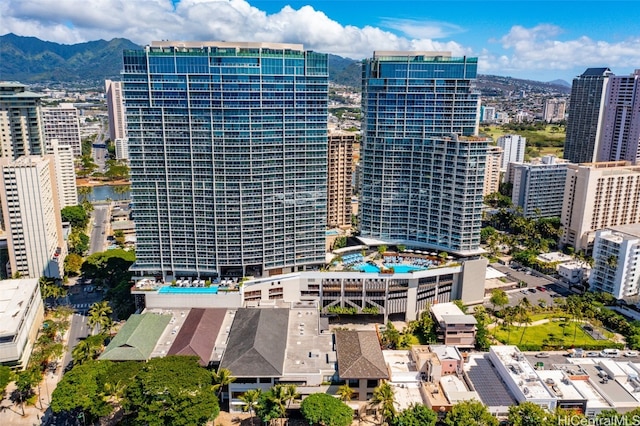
x,y
359,355
257,343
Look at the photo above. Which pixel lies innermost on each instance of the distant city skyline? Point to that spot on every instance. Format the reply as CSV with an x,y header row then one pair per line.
x,y
538,40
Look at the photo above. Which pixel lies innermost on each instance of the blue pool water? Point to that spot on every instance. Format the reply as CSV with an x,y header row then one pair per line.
x,y
331,232
397,268
190,290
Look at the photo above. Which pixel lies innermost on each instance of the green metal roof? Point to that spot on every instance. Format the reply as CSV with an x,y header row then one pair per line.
x,y
137,338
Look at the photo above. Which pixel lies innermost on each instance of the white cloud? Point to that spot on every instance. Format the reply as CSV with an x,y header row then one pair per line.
x,y
142,21
422,29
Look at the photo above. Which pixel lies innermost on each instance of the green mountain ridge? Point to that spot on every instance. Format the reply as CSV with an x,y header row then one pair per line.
x,y
31,60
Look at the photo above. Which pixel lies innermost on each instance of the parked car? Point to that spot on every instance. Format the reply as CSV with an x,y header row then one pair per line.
x,y
542,355
533,290
594,354
610,353
524,291
630,353
542,289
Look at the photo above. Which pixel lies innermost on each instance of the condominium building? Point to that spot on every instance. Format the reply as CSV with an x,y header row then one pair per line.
x,y
339,171
228,155
62,123
453,326
586,114
554,110
122,148
488,114
62,156
115,109
598,196
20,122
32,217
422,165
620,136
616,252
538,187
492,171
513,148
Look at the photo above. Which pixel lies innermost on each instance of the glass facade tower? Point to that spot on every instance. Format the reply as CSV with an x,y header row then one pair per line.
x,y
422,164
228,154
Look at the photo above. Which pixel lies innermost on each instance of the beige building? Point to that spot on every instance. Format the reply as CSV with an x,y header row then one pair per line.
x,y
115,108
65,174
20,122
62,123
554,110
32,217
454,327
339,171
597,196
492,171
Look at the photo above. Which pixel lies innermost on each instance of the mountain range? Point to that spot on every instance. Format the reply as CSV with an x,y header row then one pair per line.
x,y
32,61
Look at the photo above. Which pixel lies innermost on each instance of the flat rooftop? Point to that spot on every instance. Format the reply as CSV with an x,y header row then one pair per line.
x,y
14,298
521,372
613,390
401,366
406,394
308,350
558,385
456,390
487,382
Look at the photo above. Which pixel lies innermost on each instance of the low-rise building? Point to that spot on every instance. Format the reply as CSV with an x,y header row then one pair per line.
x,y
21,314
454,327
574,272
520,376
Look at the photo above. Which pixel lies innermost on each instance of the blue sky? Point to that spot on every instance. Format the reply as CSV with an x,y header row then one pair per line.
x,y
540,40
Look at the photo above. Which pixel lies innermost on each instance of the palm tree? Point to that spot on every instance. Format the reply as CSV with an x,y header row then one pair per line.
x,y
383,398
88,349
345,393
99,316
291,393
251,398
279,396
221,378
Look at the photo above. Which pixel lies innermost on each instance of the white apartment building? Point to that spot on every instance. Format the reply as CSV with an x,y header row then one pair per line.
x,y
21,314
598,196
554,110
538,187
492,170
62,123
122,149
488,114
616,252
32,217
65,174
115,109
513,147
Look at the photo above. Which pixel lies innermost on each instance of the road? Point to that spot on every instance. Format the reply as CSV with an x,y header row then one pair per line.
x,y
98,228
77,331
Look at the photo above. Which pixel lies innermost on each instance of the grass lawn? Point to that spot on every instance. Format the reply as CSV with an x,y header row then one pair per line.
x,y
545,138
554,334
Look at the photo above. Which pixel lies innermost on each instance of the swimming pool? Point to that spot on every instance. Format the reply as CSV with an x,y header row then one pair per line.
x,y
190,290
400,269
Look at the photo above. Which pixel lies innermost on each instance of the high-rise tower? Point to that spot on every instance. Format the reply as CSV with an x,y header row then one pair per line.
x,y
620,136
586,114
228,154
422,163
20,123
62,123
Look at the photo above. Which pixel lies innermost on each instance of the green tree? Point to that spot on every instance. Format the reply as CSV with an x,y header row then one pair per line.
x,y
390,336
383,400
25,382
6,377
76,215
425,326
486,233
88,349
382,249
72,264
482,333
528,414
470,413
416,415
345,392
323,409
499,298
460,304
99,317
271,405
119,237
250,398
173,390
221,379
78,242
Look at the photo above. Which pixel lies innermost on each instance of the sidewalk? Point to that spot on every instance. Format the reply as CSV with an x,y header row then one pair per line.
x,y
11,414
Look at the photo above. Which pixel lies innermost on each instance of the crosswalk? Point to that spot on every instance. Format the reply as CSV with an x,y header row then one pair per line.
x,y
81,305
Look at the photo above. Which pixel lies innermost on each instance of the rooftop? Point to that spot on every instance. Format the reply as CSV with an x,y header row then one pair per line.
x,y
456,390
449,313
14,298
308,349
446,352
484,377
199,333
559,385
521,372
137,338
257,343
631,230
359,355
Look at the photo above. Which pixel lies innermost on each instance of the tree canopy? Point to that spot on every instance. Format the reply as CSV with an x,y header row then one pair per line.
x,y
173,390
326,410
470,413
76,215
529,414
415,415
